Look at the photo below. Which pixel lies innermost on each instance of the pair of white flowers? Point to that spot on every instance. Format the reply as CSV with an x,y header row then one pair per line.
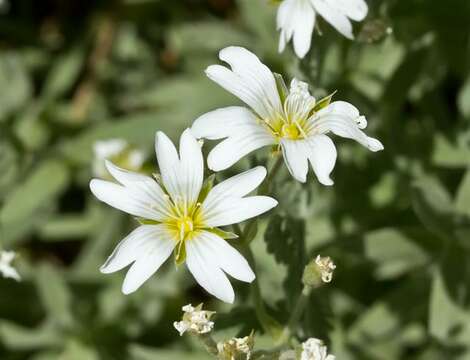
x,y
296,20
181,214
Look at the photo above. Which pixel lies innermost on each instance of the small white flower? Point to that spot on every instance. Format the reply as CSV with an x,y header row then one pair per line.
x,y
195,320
180,217
314,349
292,120
118,151
326,268
296,19
6,269
236,348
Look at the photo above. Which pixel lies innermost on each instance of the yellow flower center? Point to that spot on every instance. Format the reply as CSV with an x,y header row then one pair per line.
x,y
290,131
185,226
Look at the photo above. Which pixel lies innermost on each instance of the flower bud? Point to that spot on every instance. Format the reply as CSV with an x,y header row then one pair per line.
x,y
236,348
318,271
314,349
195,320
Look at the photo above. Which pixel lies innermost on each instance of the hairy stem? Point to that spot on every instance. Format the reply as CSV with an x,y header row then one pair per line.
x,y
209,343
299,308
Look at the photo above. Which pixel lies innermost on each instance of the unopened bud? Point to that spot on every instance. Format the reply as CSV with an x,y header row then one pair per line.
x,y
318,271
195,320
236,348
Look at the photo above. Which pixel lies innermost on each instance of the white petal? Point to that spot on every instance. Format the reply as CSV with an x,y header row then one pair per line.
x,y
148,262
322,157
222,123
236,186
354,9
342,119
192,166
295,154
207,272
135,245
285,22
144,186
303,27
232,210
125,199
333,16
232,149
168,162
182,175
250,80
229,259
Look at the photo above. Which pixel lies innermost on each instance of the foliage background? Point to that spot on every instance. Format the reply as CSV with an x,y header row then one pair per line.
x,y
397,223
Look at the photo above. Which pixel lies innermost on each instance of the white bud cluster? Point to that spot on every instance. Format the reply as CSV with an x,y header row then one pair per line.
x,y
195,320
236,348
314,349
326,267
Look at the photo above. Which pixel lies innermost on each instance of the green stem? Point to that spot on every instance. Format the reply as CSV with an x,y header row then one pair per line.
x,y
269,325
209,344
296,315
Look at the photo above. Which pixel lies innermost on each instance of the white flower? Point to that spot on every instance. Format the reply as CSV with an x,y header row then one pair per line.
x,y
291,119
8,271
182,216
296,19
326,267
236,348
118,151
313,349
195,320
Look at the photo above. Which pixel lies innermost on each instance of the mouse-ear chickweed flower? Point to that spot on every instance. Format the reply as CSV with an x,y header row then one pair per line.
x,y
289,118
195,320
6,269
296,20
314,349
181,215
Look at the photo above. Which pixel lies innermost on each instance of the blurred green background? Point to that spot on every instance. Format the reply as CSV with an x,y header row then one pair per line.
x,y
397,223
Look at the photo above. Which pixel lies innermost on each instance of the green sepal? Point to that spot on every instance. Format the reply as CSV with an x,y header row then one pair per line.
x,y
206,188
180,253
282,88
250,231
323,102
143,221
227,235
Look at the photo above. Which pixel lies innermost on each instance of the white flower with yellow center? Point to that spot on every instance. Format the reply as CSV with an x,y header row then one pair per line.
x,y
183,216
314,349
291,119
296,20
6,269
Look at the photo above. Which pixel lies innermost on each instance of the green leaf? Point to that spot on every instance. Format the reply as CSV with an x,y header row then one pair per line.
x,y
285,239
54,295
433,205
446,319
45,183
394,253
463,100
64,73
15,82
22,338
462,200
